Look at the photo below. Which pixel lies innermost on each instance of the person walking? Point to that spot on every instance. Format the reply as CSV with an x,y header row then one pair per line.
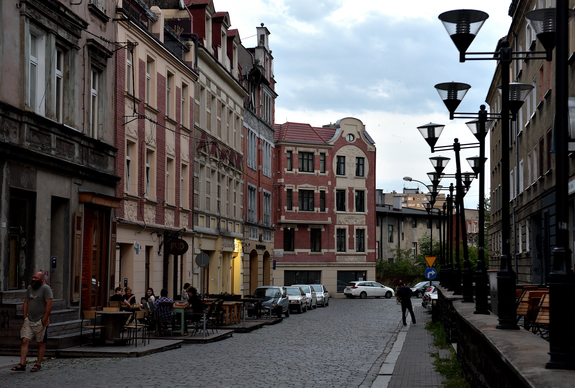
x,y
36,311
403,295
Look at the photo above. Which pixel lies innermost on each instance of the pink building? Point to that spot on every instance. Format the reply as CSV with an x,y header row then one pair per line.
x,y
325,204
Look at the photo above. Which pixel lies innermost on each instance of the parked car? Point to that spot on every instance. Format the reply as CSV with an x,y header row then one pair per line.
x,y
310,293
429,297
321,294
297,299
276,299
365,289
421,287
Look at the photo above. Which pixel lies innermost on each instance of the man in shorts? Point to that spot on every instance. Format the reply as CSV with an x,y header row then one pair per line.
x,y
36,311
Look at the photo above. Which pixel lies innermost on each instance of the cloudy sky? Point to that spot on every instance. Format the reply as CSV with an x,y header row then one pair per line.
x,y
378,61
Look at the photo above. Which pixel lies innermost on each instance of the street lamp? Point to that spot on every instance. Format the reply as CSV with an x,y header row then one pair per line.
x,y
548,29
458,24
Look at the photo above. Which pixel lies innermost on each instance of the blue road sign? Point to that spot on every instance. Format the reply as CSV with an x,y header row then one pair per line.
x,y
430,273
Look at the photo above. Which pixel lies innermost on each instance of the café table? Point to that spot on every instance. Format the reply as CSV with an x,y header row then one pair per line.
x,y
232,309
179,312
113,321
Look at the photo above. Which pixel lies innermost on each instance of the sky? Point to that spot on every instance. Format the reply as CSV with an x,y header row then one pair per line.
x,y
378,61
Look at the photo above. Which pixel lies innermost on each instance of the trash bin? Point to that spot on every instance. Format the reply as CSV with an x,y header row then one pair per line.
x,y
434,311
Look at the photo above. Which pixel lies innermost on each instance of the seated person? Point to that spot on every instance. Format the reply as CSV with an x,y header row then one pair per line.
x,y
117,297
130,299
149,298
195,303
164,312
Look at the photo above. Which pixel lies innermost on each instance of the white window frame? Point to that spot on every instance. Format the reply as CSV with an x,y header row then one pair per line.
x,y
183,110
266,158
149,79
130,69
169,179
252,203
267,208
36,70
59,83
94,102
169,93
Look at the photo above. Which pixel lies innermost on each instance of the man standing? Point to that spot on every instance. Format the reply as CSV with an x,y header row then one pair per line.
x,y
404,296
36,312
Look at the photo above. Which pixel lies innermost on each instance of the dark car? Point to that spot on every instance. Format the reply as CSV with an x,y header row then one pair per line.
x,y
275,299
419,289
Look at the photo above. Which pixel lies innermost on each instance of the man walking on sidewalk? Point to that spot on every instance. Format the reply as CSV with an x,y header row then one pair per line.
x,y
36,310
403,295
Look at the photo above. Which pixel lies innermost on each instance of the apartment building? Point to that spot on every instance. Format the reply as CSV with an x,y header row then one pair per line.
x,y
154,135
325,204
218,186
531,155
257,77
57,147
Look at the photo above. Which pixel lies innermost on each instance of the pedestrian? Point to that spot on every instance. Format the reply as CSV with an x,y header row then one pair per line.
x,y
193,302
36,311
164,308
403,295
117,297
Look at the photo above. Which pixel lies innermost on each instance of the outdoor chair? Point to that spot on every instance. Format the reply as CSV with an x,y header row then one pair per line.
x,y
138,324
90,316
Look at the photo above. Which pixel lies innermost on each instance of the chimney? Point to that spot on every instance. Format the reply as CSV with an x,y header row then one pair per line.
x,y
397,202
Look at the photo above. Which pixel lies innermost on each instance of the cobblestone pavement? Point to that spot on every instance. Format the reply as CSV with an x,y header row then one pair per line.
x,y
342,345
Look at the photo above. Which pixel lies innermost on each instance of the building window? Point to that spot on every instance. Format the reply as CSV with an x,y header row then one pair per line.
x,y
322,201
289,160
94,103
252,203
340,200
306,162
59,85
266,159
315,242
149,80
340,168
360,201
252,157
306,200
390,233
130,69
170,179
289,199
289,235
183,108
129,165
360,240
184,187
149,173
340,237
267,208
322,162
169,88
359,166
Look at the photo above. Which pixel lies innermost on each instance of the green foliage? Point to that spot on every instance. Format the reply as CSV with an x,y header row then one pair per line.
x,y
448,367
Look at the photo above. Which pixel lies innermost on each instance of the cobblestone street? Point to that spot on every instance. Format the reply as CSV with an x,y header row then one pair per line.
x,y
342,345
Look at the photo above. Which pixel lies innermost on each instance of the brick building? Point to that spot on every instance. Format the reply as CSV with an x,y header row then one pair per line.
x,y
259,168
154,119
325,206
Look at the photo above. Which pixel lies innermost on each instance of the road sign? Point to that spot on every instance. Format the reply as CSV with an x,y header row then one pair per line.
x,y
430,273
202,259
430,260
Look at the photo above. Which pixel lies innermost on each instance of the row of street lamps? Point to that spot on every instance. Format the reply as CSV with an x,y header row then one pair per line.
x,y
550,26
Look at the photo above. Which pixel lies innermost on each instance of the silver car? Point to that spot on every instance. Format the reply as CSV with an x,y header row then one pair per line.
x,y
274,298
322,294
297,299
310,293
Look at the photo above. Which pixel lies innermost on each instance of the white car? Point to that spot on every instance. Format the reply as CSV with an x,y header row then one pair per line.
x,y
297,299
322,294
310,293
429,298
365,289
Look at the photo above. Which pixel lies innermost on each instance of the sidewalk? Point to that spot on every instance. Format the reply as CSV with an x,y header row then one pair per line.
x,y
409,364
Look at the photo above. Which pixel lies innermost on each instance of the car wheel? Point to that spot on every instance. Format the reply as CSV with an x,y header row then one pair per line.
x,y
305,309
363,295
388,294
315,306
327,303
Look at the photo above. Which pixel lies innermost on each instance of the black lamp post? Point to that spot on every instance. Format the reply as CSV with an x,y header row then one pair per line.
x,y
462,25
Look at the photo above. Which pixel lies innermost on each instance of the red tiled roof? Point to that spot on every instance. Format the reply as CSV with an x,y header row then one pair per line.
x,y
304,133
